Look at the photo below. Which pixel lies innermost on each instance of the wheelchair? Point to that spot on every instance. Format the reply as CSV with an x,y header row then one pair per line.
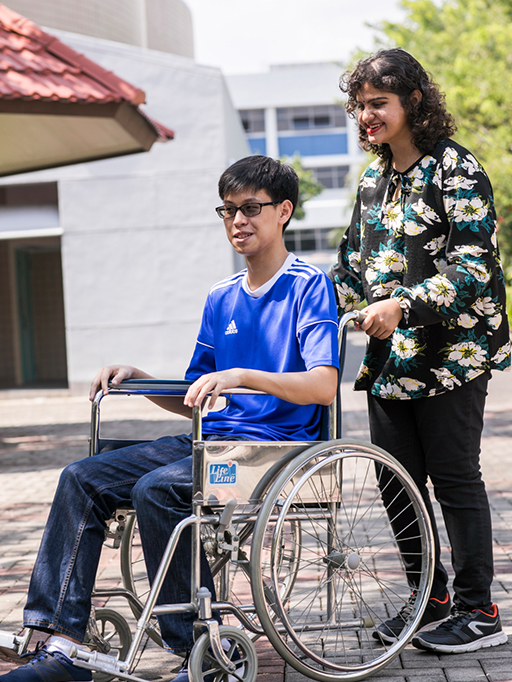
x,y
313,539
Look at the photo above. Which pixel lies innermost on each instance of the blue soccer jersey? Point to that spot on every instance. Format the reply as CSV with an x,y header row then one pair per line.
x,y
287,325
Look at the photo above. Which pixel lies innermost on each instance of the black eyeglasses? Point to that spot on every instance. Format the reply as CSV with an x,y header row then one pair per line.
x,y
249,210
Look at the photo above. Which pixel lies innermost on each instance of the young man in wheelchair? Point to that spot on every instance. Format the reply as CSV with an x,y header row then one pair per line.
x,y
271,327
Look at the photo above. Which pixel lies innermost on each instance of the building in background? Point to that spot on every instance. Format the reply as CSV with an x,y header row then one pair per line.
x,y
296,109
164,25
111,261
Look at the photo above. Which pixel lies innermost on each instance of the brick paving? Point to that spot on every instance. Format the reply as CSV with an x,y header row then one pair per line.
x,y
40,435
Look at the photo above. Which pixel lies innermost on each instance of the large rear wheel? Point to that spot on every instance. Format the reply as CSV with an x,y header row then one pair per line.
x,y
350,574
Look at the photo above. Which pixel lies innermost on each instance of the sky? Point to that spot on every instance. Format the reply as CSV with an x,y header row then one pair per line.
x,y
242,36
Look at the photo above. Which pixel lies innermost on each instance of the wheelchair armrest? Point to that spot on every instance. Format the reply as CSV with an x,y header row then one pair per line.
x,y
331,427
149,388
168,387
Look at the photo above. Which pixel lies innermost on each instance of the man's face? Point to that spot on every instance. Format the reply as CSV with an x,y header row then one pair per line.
x,y
258,234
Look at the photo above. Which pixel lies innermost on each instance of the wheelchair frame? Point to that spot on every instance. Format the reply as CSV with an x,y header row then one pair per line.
x,y
301,495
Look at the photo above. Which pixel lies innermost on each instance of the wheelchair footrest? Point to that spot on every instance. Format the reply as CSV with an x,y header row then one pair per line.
x,y
12,646
93,660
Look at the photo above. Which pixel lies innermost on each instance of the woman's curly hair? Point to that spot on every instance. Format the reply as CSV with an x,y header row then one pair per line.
x,y
397,71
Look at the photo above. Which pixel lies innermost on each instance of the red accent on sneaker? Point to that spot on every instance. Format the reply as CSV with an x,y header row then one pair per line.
x,y
493,614
441,601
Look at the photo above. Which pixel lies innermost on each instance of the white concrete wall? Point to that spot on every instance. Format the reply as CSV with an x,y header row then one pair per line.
x,y
164,25
141,242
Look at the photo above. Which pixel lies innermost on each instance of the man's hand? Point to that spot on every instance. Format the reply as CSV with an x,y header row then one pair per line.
x,y
212,383
382,318
113,373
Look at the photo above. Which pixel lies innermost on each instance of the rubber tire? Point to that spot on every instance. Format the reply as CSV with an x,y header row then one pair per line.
x,y
328,653
201,656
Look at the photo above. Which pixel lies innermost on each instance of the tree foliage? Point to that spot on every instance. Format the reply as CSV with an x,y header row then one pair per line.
x,y
309,186
465,44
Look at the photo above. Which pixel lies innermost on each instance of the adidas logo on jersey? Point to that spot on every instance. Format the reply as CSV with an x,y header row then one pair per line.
x,y
231,328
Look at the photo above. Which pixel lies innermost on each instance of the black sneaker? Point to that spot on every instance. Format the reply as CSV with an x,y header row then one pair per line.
x,y
47,666
436,612
463,631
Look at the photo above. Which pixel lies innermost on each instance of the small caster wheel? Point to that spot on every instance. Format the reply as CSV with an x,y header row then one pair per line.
x,y
203,665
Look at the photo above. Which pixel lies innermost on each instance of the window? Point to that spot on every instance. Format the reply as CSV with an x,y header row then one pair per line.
x,y
253,120
331,177
318,239
313,144
258,145
310,118
44,193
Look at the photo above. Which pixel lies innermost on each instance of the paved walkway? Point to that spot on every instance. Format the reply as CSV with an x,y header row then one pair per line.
x,y
40,435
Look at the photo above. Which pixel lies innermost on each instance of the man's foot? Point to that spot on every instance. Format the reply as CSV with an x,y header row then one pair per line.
x,y
464,631
436,612
47,666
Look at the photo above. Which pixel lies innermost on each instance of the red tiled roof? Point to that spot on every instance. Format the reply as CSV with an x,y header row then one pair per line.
x,y
37,66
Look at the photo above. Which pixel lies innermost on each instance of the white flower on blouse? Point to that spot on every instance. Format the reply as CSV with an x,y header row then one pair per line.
x,y
371,275
471,249
502,353
426,212
465,210
348,297
474,373
494,321
484,306
437,178
354,260
417,178
440,264
459,182
441,291
385,288
389,261
391,391
368,181
470,164
446,378
364,371
479,271
450,158
393,217
467,321
411,384
402,346
435,245
419,292
412,229
467,353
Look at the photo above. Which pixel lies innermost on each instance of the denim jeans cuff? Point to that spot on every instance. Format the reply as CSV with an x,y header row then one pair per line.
x,y
50,628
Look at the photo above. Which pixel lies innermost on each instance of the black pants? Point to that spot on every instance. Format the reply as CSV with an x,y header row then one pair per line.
x,y
439,438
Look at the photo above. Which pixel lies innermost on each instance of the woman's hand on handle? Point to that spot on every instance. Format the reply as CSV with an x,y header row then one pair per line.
x,y
382,318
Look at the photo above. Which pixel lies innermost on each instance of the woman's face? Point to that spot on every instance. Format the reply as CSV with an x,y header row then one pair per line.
x,y
383,117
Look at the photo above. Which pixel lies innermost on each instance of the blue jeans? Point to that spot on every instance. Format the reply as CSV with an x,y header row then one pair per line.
x,y
156,478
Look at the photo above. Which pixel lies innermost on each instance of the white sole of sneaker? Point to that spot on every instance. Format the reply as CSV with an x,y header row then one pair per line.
x,y
491,640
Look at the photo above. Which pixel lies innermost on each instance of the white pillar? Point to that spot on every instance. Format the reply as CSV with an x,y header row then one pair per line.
x,y
271,133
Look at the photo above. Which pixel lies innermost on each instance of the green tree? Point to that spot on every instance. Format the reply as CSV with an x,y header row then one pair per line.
x,y
309,186
465,44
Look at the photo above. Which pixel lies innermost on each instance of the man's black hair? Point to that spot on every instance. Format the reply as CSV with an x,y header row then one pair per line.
x,y
256,173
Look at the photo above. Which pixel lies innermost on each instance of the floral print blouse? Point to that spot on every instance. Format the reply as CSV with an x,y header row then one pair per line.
x,y
427,238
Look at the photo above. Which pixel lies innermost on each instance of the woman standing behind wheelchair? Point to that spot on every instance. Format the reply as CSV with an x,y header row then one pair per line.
x,y
421,249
